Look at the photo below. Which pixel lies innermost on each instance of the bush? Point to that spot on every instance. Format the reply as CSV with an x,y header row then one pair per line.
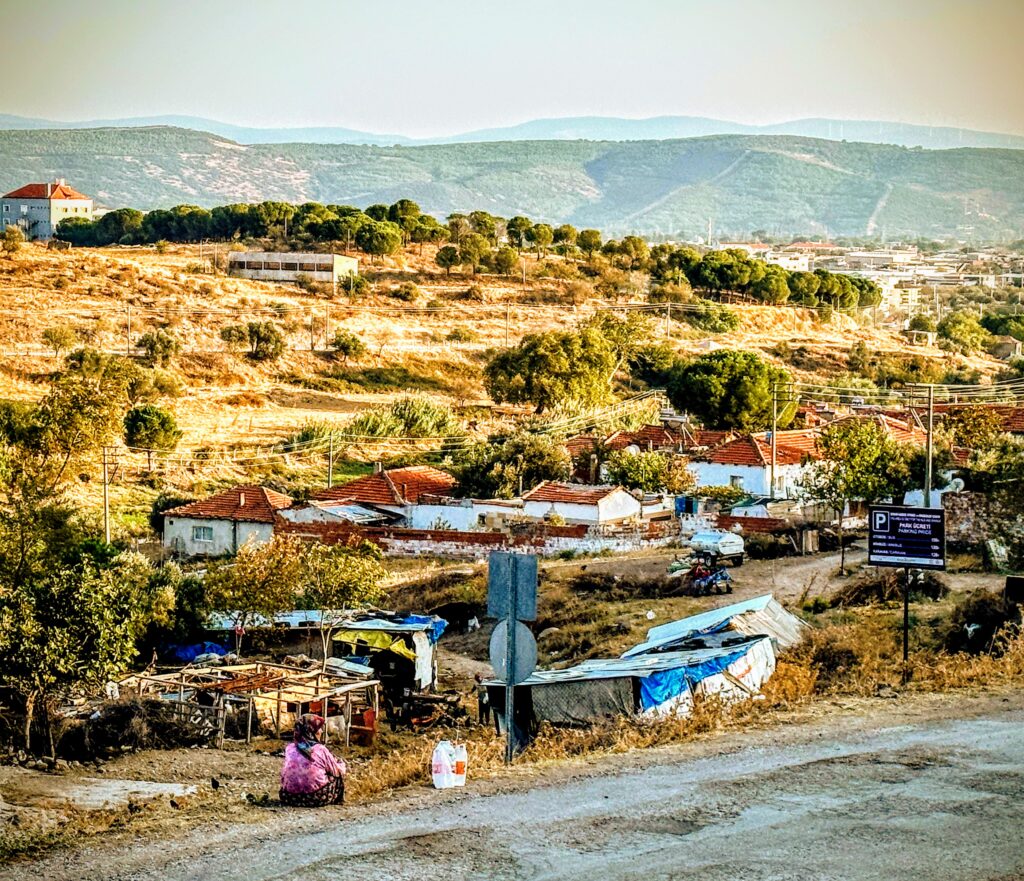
x,y
833,662
462,335
312,431
407,292
348,345
975,622
713,317
407,417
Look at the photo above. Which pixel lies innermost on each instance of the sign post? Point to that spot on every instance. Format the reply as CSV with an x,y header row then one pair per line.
x,y
512,597
908,538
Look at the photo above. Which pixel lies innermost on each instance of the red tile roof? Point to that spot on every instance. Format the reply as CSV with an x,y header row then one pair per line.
x,y
38,191
656,436
396,486
582,443
247,504
756,450
570,493
709,437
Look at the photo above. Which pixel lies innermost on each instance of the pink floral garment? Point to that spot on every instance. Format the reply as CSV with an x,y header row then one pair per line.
x,y
300,775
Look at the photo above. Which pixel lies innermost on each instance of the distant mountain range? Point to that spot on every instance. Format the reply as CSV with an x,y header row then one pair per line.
x,y
587,128
740,183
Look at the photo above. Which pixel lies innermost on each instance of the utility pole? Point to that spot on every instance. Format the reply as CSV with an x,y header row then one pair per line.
x,y
128,329
775,428
330,461
668,321
928,459
508,318
327,322
312,347
106,498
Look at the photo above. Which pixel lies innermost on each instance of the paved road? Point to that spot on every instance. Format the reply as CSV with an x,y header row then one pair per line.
x,y
930,800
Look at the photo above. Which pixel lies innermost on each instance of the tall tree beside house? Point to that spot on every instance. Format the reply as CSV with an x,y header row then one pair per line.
x,y
503,470
729,389
262,580
152,429
338,579
644,471
859,462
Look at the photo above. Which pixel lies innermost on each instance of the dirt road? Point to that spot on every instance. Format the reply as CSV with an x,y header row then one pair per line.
x,y
924,798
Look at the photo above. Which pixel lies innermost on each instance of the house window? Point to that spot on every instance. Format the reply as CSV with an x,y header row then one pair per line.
x,y
7,208
202,533
736,480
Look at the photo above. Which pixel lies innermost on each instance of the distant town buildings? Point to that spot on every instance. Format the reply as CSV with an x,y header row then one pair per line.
x,y
36,209
292,266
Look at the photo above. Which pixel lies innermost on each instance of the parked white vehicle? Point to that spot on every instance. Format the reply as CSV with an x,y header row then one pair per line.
x,y
724,546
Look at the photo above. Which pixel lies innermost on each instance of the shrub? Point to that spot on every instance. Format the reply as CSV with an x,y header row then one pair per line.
x,y
311,431
833,662
462,335
407,292
713,317
348,345
410,416
975,621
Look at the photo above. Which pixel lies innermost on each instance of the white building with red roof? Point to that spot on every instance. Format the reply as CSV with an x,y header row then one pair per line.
x,y
222,523
745,463
36,209
395,490
581,504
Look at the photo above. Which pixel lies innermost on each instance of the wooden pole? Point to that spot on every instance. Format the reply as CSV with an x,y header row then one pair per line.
x,y
106,498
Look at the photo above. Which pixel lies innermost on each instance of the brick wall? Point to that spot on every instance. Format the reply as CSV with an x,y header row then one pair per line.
x,y
726,522
546,540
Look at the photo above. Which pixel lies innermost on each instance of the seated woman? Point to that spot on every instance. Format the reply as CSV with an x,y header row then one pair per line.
x,y
311,776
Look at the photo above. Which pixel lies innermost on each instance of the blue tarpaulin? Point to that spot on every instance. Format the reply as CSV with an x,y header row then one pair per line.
x,y
186,654
662,686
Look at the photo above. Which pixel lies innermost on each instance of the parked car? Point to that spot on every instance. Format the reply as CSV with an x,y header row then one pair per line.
x,y
722,547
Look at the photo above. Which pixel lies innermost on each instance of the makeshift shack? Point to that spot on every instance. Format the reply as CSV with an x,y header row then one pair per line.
x,y
731,666
760,615
266,695
399,649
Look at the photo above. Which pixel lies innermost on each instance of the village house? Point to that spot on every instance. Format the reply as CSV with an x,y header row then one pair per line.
x,y
224,522
746,463
36,209
395,491
581,504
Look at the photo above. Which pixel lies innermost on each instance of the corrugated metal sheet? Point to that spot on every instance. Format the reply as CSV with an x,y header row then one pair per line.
x,y
759,615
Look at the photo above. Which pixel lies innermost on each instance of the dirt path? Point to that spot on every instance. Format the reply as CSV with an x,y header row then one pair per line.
x,y
937,792
788,578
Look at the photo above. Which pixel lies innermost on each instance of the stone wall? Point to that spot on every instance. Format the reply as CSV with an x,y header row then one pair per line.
x,y
973,518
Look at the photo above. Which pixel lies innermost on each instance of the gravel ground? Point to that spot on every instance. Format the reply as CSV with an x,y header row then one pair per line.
x,y
917,788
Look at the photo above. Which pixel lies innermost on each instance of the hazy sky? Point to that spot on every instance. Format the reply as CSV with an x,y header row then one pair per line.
x,y
431,68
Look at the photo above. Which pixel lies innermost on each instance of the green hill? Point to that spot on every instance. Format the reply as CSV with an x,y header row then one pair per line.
x,y
778,183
